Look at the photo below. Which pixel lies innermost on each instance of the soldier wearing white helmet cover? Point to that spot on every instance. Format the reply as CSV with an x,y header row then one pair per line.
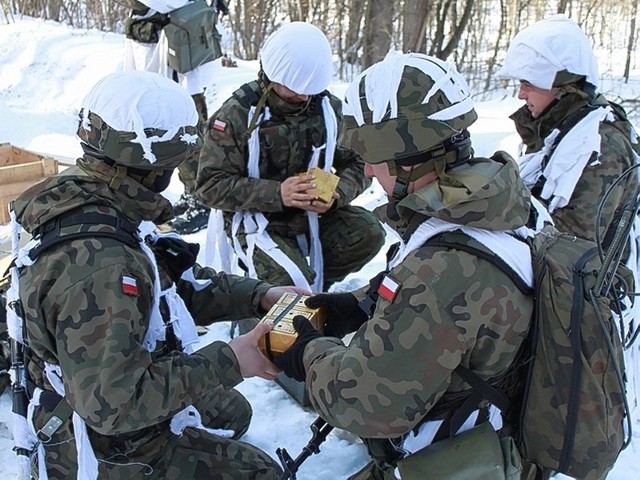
x,y
257,148
576,144
115,386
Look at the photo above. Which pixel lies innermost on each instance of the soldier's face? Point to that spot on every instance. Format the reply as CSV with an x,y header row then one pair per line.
x,y
380,171
288,95
537,99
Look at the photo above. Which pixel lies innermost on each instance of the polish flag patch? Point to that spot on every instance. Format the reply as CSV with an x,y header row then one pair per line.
x,y
219,125
129,285
388,288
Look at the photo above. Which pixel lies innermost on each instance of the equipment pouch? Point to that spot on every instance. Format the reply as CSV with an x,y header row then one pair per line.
x,y
192,36
145,30
475,453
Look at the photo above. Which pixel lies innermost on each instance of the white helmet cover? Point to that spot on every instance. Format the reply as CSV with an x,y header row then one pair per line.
x,y
123,107
298,56
541,50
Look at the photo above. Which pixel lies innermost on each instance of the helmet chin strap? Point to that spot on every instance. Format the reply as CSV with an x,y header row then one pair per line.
x,y
403,180
405,177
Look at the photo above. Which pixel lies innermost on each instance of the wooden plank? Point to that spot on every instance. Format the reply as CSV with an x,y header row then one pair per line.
x,y
10,155
19,170
28,171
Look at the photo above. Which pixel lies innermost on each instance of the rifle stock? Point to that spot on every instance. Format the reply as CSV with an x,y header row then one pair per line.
x,y
320,430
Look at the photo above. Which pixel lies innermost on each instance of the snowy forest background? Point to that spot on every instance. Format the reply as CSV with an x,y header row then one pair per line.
x,y
474,34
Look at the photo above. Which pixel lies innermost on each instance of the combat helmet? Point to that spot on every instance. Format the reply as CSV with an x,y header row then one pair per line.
x,y
553,52
298,56
409,109
138,120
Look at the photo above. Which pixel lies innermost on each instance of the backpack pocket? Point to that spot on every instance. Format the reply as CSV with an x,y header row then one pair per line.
x,y
475,453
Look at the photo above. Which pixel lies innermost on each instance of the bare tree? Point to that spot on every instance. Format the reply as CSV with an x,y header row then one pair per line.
x,y
632,39
415,20
378,30
450,25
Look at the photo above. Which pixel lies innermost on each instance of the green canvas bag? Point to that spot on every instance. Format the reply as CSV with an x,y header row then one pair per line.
x,y
192,36
475,453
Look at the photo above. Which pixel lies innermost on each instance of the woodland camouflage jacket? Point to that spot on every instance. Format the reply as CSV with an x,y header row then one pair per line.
x,y
79,316
616,155
451,308
286,143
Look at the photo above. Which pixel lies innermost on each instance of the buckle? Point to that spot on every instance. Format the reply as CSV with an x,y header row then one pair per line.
x,y
46,433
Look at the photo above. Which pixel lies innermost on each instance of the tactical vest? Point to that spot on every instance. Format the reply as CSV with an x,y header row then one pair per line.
x,y
286,141
64,229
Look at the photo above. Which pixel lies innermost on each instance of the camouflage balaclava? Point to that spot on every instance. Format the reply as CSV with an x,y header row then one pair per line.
x,y
409,109
139,122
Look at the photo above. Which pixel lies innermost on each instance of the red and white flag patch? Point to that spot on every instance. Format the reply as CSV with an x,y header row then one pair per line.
x,y
219,125
388,288
129,285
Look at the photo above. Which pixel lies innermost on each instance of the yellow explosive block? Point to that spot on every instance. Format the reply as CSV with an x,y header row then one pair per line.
x,y
282,336
326,183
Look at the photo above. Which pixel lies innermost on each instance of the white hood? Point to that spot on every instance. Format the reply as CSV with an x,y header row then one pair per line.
x,y
551,45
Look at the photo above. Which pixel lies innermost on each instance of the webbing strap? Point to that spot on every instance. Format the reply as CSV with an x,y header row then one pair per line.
x,y
50,233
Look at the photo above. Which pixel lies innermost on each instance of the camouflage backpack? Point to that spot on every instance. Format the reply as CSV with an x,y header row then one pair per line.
x,y
192,36
569,412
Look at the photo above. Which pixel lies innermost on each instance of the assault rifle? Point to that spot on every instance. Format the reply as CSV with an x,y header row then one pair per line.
x,y
611,258
320,430
606,277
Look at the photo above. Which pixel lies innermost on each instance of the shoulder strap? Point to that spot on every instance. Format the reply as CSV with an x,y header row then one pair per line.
x,y
248,94
487,255
124,230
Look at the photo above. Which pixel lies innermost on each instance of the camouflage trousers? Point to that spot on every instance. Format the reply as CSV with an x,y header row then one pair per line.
x,y
188,169
350,237
156,453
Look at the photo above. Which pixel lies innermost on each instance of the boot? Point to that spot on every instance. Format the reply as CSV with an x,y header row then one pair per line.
x,y
191,215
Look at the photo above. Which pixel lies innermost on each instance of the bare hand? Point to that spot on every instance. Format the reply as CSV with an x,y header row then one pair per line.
x,y
250,359
273,294
319,206
293,191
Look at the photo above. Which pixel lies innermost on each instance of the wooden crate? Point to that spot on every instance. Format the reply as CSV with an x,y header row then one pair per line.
x,y
19,170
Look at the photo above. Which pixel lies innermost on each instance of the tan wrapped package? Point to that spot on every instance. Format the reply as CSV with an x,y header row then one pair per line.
x,y
326,183
282,313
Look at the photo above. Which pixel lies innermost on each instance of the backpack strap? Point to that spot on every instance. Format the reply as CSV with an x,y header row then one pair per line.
x,y
481,389
50,233
438,241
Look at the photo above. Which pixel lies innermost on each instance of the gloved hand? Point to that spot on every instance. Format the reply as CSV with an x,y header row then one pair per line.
x,y
175,255
290,361
343,315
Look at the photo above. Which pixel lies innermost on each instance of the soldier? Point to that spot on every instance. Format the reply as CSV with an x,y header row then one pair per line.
x,y
109,306
146,49
577,143
435,308
256,151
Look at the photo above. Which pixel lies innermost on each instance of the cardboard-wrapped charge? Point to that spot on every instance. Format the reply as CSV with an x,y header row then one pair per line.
x,y
282,336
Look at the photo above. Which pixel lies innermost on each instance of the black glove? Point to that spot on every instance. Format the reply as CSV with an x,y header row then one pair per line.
x,y
175,255
343,315
290,361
